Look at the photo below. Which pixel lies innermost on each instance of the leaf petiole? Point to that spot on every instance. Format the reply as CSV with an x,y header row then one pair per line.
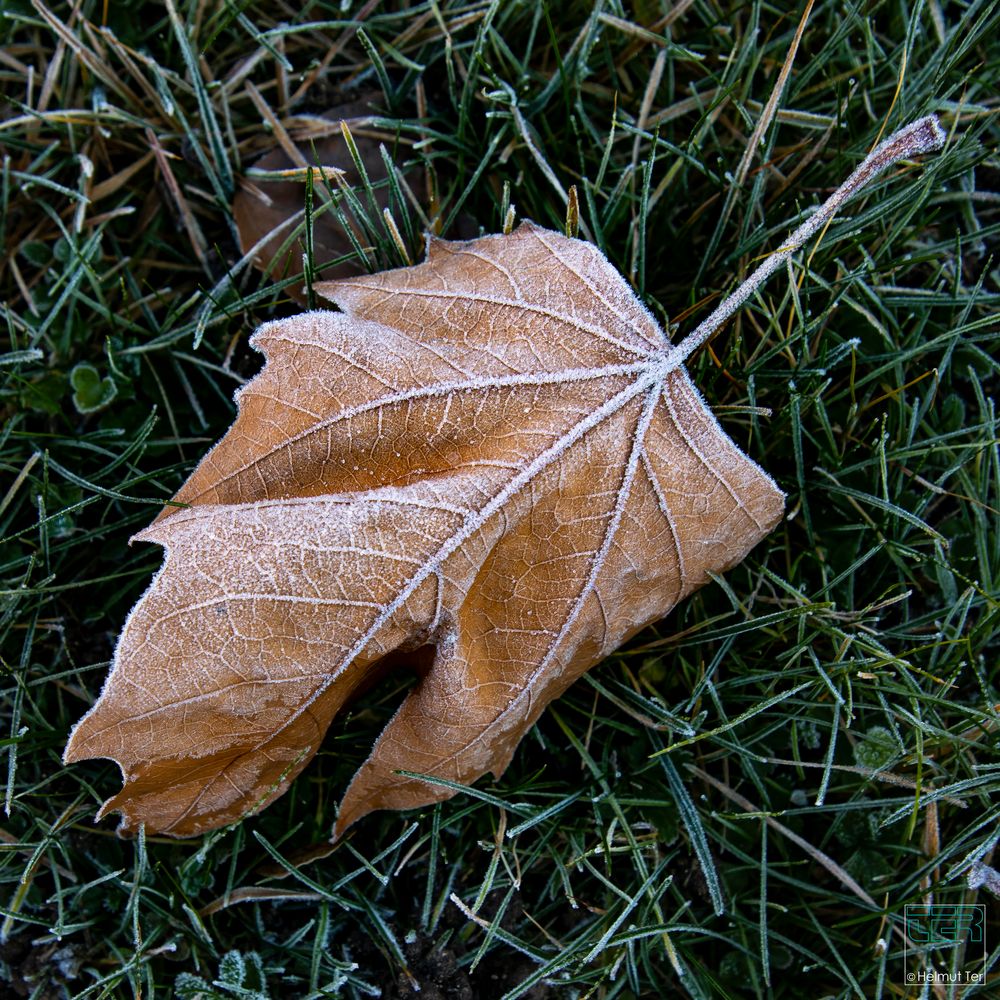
x,y
922,136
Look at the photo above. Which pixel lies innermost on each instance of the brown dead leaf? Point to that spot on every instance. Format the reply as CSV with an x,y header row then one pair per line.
x,y
266,212
495,456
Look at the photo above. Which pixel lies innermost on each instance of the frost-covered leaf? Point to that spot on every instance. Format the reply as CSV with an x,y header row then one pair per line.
x,y
493,465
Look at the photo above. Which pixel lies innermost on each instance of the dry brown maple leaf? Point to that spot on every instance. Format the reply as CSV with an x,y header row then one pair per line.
x,y
496,455
264,212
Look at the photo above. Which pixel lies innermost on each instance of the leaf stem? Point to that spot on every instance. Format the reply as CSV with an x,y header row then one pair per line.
x,y
922,136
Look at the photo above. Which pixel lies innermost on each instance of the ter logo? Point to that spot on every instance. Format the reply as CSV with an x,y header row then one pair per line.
x,y
939,925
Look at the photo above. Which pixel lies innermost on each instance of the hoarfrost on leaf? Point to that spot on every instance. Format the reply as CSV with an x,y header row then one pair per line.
x,y
493,465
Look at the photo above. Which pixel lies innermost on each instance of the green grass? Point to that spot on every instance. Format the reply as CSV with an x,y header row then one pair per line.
x,y
740,803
